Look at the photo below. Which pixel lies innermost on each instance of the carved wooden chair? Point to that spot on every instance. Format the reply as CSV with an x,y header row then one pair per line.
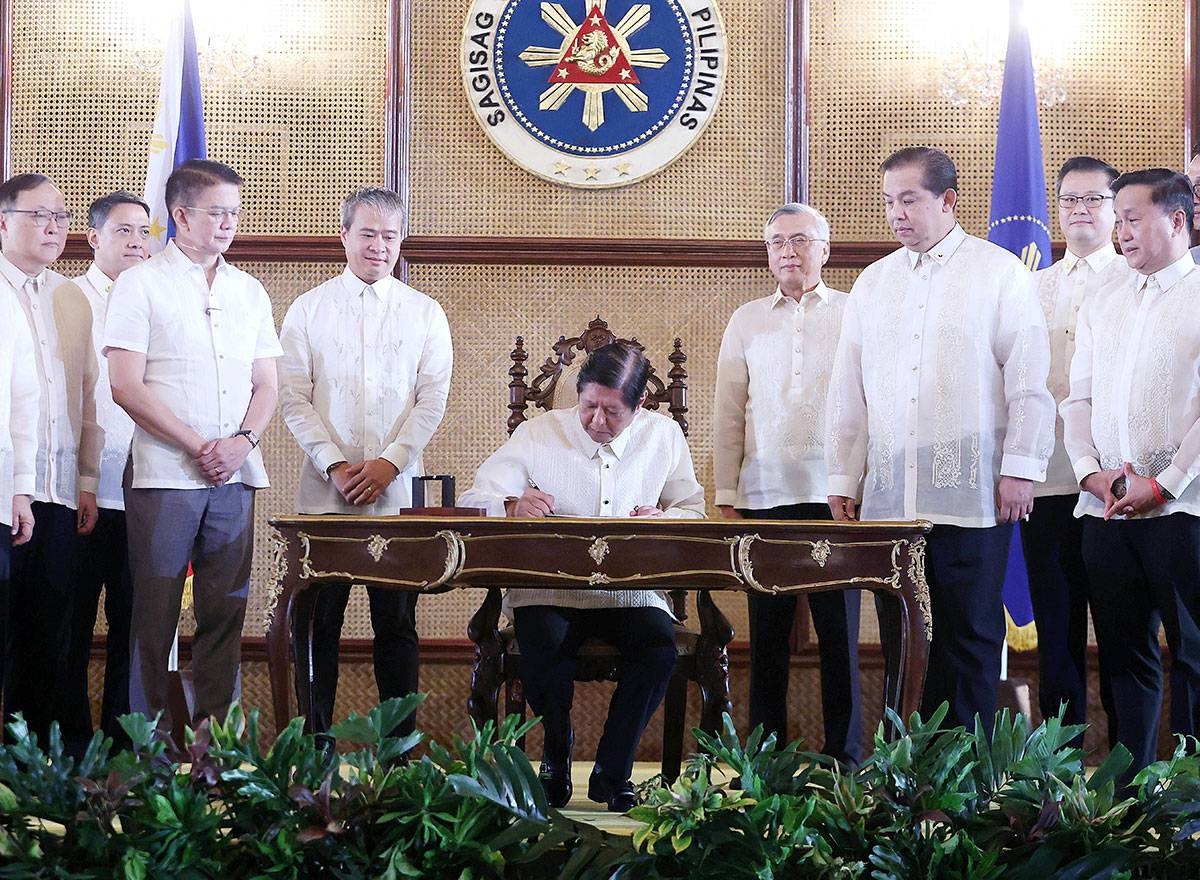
x,y
702,655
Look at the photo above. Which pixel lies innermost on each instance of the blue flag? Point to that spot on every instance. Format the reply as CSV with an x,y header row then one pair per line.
x,y
179,123
1019,223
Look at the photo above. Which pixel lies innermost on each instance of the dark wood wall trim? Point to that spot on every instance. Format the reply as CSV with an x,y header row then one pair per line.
x,y
533,251
795,134
252,248
1191,78
397,115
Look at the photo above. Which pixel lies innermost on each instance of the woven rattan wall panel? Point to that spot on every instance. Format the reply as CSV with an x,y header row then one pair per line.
x,y
722,187
296,107
874,89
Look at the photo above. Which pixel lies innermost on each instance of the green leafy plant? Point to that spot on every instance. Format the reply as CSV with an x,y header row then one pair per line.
x,y
930,803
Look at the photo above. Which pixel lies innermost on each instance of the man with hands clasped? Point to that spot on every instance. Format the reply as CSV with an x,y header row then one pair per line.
x,y
1132,431
191,350
363,386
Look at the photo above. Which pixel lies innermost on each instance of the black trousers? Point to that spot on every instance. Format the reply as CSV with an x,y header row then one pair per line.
x,y
396,648
103,565
965,568
1143,572
45,573
1052,543
5,568
549,638
835,616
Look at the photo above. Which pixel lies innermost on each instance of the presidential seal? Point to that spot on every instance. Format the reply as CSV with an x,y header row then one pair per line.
x,y
594,93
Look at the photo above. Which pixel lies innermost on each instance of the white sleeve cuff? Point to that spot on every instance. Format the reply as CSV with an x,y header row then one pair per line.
x,y
847,487
1174,480
1085,467
726,498
1023,468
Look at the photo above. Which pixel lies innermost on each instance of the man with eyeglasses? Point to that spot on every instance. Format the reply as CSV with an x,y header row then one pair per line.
x,y
1193,175
938,410
33,232
769,463
118,232
363,385
1051,537
1132,430
191,348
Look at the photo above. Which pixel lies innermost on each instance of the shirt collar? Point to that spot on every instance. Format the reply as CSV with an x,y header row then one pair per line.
x,y
590,448
355,285
99,280
15,276
1096,261
941,252
821,291
181,261
1167,277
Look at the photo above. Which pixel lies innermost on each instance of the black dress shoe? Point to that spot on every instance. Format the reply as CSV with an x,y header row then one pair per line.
x,y
556,780
618,796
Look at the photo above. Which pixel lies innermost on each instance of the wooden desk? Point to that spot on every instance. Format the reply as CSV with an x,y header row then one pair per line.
x,y
436,554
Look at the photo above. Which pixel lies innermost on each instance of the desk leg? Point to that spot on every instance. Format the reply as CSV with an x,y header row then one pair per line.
x,y
905,629
279,652
889,608
302,640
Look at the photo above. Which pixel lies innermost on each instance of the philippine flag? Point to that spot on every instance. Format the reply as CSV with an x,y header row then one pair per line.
x,y
179,124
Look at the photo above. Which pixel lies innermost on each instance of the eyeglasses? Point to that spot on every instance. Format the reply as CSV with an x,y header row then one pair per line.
x,y
216,213
778,244
1091,200
41,218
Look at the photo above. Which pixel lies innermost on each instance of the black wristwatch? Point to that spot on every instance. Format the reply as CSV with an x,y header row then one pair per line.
x,y
249,435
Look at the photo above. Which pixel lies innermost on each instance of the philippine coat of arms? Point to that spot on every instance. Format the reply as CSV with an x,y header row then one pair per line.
x,y
594,93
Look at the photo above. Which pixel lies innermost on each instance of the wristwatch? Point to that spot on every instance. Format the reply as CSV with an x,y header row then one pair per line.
x,y
249,435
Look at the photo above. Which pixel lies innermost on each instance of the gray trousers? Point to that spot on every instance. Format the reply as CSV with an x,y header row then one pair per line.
x,y
214,530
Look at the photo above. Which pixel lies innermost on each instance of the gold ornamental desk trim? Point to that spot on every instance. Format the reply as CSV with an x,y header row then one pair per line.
x,y
456,566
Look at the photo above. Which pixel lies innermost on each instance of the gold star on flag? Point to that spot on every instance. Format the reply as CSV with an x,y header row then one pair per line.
x,y
157,229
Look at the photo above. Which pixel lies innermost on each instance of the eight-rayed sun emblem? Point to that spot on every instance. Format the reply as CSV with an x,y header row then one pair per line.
x,y
595,58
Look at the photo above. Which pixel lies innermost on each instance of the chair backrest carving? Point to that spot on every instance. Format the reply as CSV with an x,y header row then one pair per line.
x,y
541,392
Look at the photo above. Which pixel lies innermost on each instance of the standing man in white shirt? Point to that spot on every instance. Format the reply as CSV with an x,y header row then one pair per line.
x,y
1052,536
118,231
363,386
1132,430
191,349
938,410
606,456
769,463
33,232
19,393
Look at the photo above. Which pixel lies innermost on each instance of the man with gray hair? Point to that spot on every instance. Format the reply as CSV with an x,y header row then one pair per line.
x,y
769,463
364,380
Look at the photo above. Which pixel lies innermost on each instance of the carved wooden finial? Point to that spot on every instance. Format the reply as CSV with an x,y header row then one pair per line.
x,y
678,387
517,387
